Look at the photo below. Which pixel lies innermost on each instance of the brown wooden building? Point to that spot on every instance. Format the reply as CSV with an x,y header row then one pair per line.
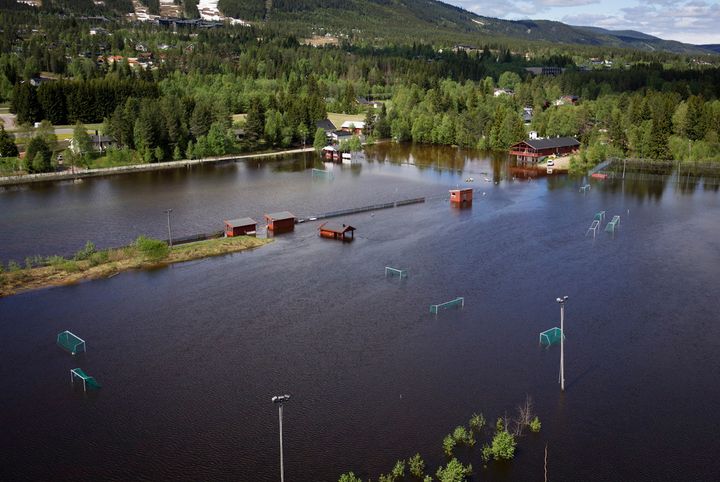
x,y
533,150
240,227
343,232
280,222
461,197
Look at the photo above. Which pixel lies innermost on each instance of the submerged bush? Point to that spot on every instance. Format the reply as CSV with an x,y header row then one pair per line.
x,y
535,425
152,249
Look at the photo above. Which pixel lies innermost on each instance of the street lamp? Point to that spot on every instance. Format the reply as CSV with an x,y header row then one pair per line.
x,y
562,301
278,400
168,211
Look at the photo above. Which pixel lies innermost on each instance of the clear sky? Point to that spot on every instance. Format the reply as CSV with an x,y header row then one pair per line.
x,y
692,21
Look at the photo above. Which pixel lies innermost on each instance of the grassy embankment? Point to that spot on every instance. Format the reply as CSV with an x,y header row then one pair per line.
x,y
88,263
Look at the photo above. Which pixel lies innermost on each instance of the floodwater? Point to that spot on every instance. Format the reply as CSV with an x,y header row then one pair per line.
x,y
189,356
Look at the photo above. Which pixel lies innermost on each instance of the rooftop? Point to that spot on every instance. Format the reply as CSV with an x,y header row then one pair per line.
x,y
336,227
279,216
240,222
551,143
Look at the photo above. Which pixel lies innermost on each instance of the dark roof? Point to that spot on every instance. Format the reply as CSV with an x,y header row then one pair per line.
x,y
552,143
336,227
240,222
342,133
95,139
325,124
279,216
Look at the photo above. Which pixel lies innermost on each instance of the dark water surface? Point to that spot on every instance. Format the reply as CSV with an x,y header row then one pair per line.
x,y
190,355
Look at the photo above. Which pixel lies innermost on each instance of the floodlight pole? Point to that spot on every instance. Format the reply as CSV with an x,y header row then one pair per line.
x,y
168,211
562,301
279,401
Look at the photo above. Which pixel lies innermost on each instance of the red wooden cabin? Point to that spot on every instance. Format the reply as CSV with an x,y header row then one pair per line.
x,y
339,231
533,150
280,222
461,197
240,227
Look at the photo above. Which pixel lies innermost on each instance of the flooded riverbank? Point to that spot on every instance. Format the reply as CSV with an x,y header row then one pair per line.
x,y
190,355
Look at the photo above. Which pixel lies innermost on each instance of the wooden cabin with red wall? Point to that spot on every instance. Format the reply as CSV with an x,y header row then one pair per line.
x,y
461,197
280,222
240,227
343,232
534,150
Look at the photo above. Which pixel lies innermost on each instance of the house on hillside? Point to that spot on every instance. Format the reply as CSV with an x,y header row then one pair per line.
x,y
354,127
326,125
548,71
568,100
368,103
527,115
534,150
501,92
340,135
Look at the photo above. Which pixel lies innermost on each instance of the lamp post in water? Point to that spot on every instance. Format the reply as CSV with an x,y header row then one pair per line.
x,y
168,211
278,400
562,341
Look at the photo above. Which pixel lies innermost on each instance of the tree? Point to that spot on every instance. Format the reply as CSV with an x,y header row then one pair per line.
x,y
454,471
38,156
7,144
255,121
417,466
201,120
303,132
81,143
695,118
320,139
503,443
349,477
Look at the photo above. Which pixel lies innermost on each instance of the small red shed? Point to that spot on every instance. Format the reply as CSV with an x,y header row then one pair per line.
x,y
343,232
461,197
240,227
280,222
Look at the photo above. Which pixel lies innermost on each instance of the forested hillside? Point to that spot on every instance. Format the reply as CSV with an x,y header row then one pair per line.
x,y
163,93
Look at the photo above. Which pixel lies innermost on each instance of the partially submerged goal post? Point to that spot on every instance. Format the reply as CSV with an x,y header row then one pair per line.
x,y
322,173
71,342
400,273
457,302
551,336
87,380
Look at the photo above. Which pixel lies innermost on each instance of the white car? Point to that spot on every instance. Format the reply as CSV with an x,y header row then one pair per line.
x,y
550,163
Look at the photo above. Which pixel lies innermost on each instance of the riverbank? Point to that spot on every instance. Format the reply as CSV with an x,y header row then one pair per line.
x,y
110,171
143,254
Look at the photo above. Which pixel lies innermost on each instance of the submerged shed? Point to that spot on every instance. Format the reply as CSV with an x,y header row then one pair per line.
x,y
343,232
461,197
280,222
240,227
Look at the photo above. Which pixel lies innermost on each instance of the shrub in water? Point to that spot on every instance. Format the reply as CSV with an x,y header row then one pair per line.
x,y
417,466
152,249
535,425
85,253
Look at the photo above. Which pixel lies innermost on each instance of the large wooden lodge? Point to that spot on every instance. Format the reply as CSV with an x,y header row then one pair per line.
x,y
534,150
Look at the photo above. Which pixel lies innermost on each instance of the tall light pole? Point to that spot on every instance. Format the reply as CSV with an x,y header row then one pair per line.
x,y
168,211
278,400
562,341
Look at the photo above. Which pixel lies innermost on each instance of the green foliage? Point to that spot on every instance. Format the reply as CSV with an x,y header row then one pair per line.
x,y
152,249
85,253
463,436
477,422
38,156
503,443
417,466
449,445
535,425
454,471
320,139
351,145
349,477
398,470
7,144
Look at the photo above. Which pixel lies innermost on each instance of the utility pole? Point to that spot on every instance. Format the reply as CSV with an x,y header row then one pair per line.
x,y
562,301
279,401
168,211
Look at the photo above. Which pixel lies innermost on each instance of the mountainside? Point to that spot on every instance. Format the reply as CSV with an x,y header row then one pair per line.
x,y
421,19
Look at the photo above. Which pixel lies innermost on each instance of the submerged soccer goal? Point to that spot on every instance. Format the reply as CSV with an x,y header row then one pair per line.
x,y
551,336
400,273
322,174
87,380
456,303
71,342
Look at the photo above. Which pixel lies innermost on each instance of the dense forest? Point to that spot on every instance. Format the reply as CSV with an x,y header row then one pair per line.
x,y
168,93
